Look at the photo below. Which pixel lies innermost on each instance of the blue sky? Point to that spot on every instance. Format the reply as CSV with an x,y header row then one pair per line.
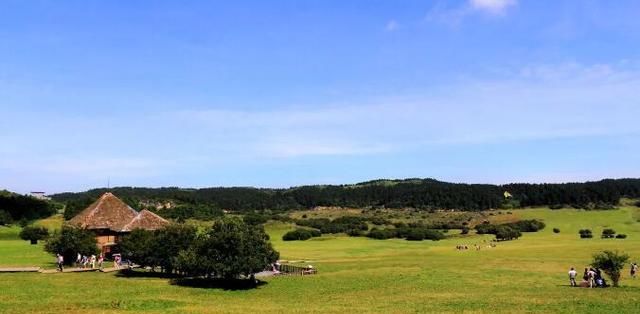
x,y
283,93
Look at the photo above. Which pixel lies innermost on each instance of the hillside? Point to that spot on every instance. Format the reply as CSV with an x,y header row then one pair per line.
x,y
423,194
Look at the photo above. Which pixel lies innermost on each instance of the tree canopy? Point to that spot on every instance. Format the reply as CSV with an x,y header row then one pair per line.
x,y
70,241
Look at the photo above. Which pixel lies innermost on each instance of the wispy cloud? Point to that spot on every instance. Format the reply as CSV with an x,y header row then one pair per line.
x,y
537,102
443,12
492,6
392,25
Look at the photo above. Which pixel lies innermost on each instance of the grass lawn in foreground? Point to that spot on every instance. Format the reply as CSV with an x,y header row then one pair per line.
x,y
364,275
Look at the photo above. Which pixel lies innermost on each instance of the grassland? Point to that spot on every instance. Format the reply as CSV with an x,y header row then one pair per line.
x,y
363,275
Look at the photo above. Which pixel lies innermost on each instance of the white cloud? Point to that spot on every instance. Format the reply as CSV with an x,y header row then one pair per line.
x,y
392,25
492,6
442,12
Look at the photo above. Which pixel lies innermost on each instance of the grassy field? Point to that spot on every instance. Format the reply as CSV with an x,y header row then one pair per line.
x,y
363,275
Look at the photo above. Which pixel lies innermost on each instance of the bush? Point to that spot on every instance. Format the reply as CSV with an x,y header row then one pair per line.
x,y
70,241
556,230
5,218
33,234
254,219
505,233
465,230
611,263
621,236
637,204
608,234
300,235
585,234
381,234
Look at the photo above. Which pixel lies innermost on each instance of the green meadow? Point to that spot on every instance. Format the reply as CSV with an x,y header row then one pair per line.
x,y
362,275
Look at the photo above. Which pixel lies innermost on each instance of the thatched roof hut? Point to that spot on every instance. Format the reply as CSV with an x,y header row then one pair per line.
x,y
110,218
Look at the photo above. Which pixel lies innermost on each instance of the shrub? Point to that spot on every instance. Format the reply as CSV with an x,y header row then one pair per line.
x,y
621,236
379,221
304,216
585,234
70,241
33,234
300,235
465,230
254,219
381,234
505,233
637,204
5,218
556,206
608,233
556,230
611,263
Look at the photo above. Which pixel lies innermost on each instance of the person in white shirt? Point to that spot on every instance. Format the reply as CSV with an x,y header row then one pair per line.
x,y
572,277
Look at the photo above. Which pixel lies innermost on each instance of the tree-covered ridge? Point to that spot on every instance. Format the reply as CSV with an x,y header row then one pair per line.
x,y
14,207
414,193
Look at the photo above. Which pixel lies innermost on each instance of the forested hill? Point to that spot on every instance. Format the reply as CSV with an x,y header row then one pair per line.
x,y
415,193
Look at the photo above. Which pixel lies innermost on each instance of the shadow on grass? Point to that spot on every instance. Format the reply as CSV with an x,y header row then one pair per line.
x,y
233,284
202,283
127,273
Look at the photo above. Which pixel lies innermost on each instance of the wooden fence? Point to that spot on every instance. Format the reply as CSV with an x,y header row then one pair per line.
x,y
296,270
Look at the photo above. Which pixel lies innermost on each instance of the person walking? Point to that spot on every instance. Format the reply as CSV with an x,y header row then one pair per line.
x,y
92,261
60,261
634,270
572,277
78,260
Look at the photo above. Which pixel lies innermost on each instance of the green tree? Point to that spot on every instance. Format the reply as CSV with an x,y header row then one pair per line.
x,y
168,242
70,241
137,246
33,234
611,263
230,249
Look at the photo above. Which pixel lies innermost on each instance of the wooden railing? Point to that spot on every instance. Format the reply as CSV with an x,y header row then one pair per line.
x,y
296,270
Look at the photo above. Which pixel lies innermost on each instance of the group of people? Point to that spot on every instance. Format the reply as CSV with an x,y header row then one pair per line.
x,y
84,261
591,278
477,247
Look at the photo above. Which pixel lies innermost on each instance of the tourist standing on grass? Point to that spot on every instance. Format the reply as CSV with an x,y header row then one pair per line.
x,y
92,261
634,270
78,260
100,261
60,261
572,277
591,276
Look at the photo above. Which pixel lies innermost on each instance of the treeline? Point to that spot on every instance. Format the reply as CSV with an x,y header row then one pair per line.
x,y
15,207
424,194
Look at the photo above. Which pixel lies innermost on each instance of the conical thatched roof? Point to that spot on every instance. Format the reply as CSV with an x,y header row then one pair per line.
x,y
146,220
109,212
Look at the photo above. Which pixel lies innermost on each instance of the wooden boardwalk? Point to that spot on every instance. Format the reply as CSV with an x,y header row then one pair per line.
x,y
68,270
19,269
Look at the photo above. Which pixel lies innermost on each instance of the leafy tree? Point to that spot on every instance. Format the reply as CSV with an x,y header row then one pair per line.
x,y
138,246
169,241
608,234
230,249
556,230
255,219
621,236
158,248
611,263
70,241
33,234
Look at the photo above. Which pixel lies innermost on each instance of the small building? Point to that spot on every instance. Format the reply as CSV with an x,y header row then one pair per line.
x,y
39,195
110,219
